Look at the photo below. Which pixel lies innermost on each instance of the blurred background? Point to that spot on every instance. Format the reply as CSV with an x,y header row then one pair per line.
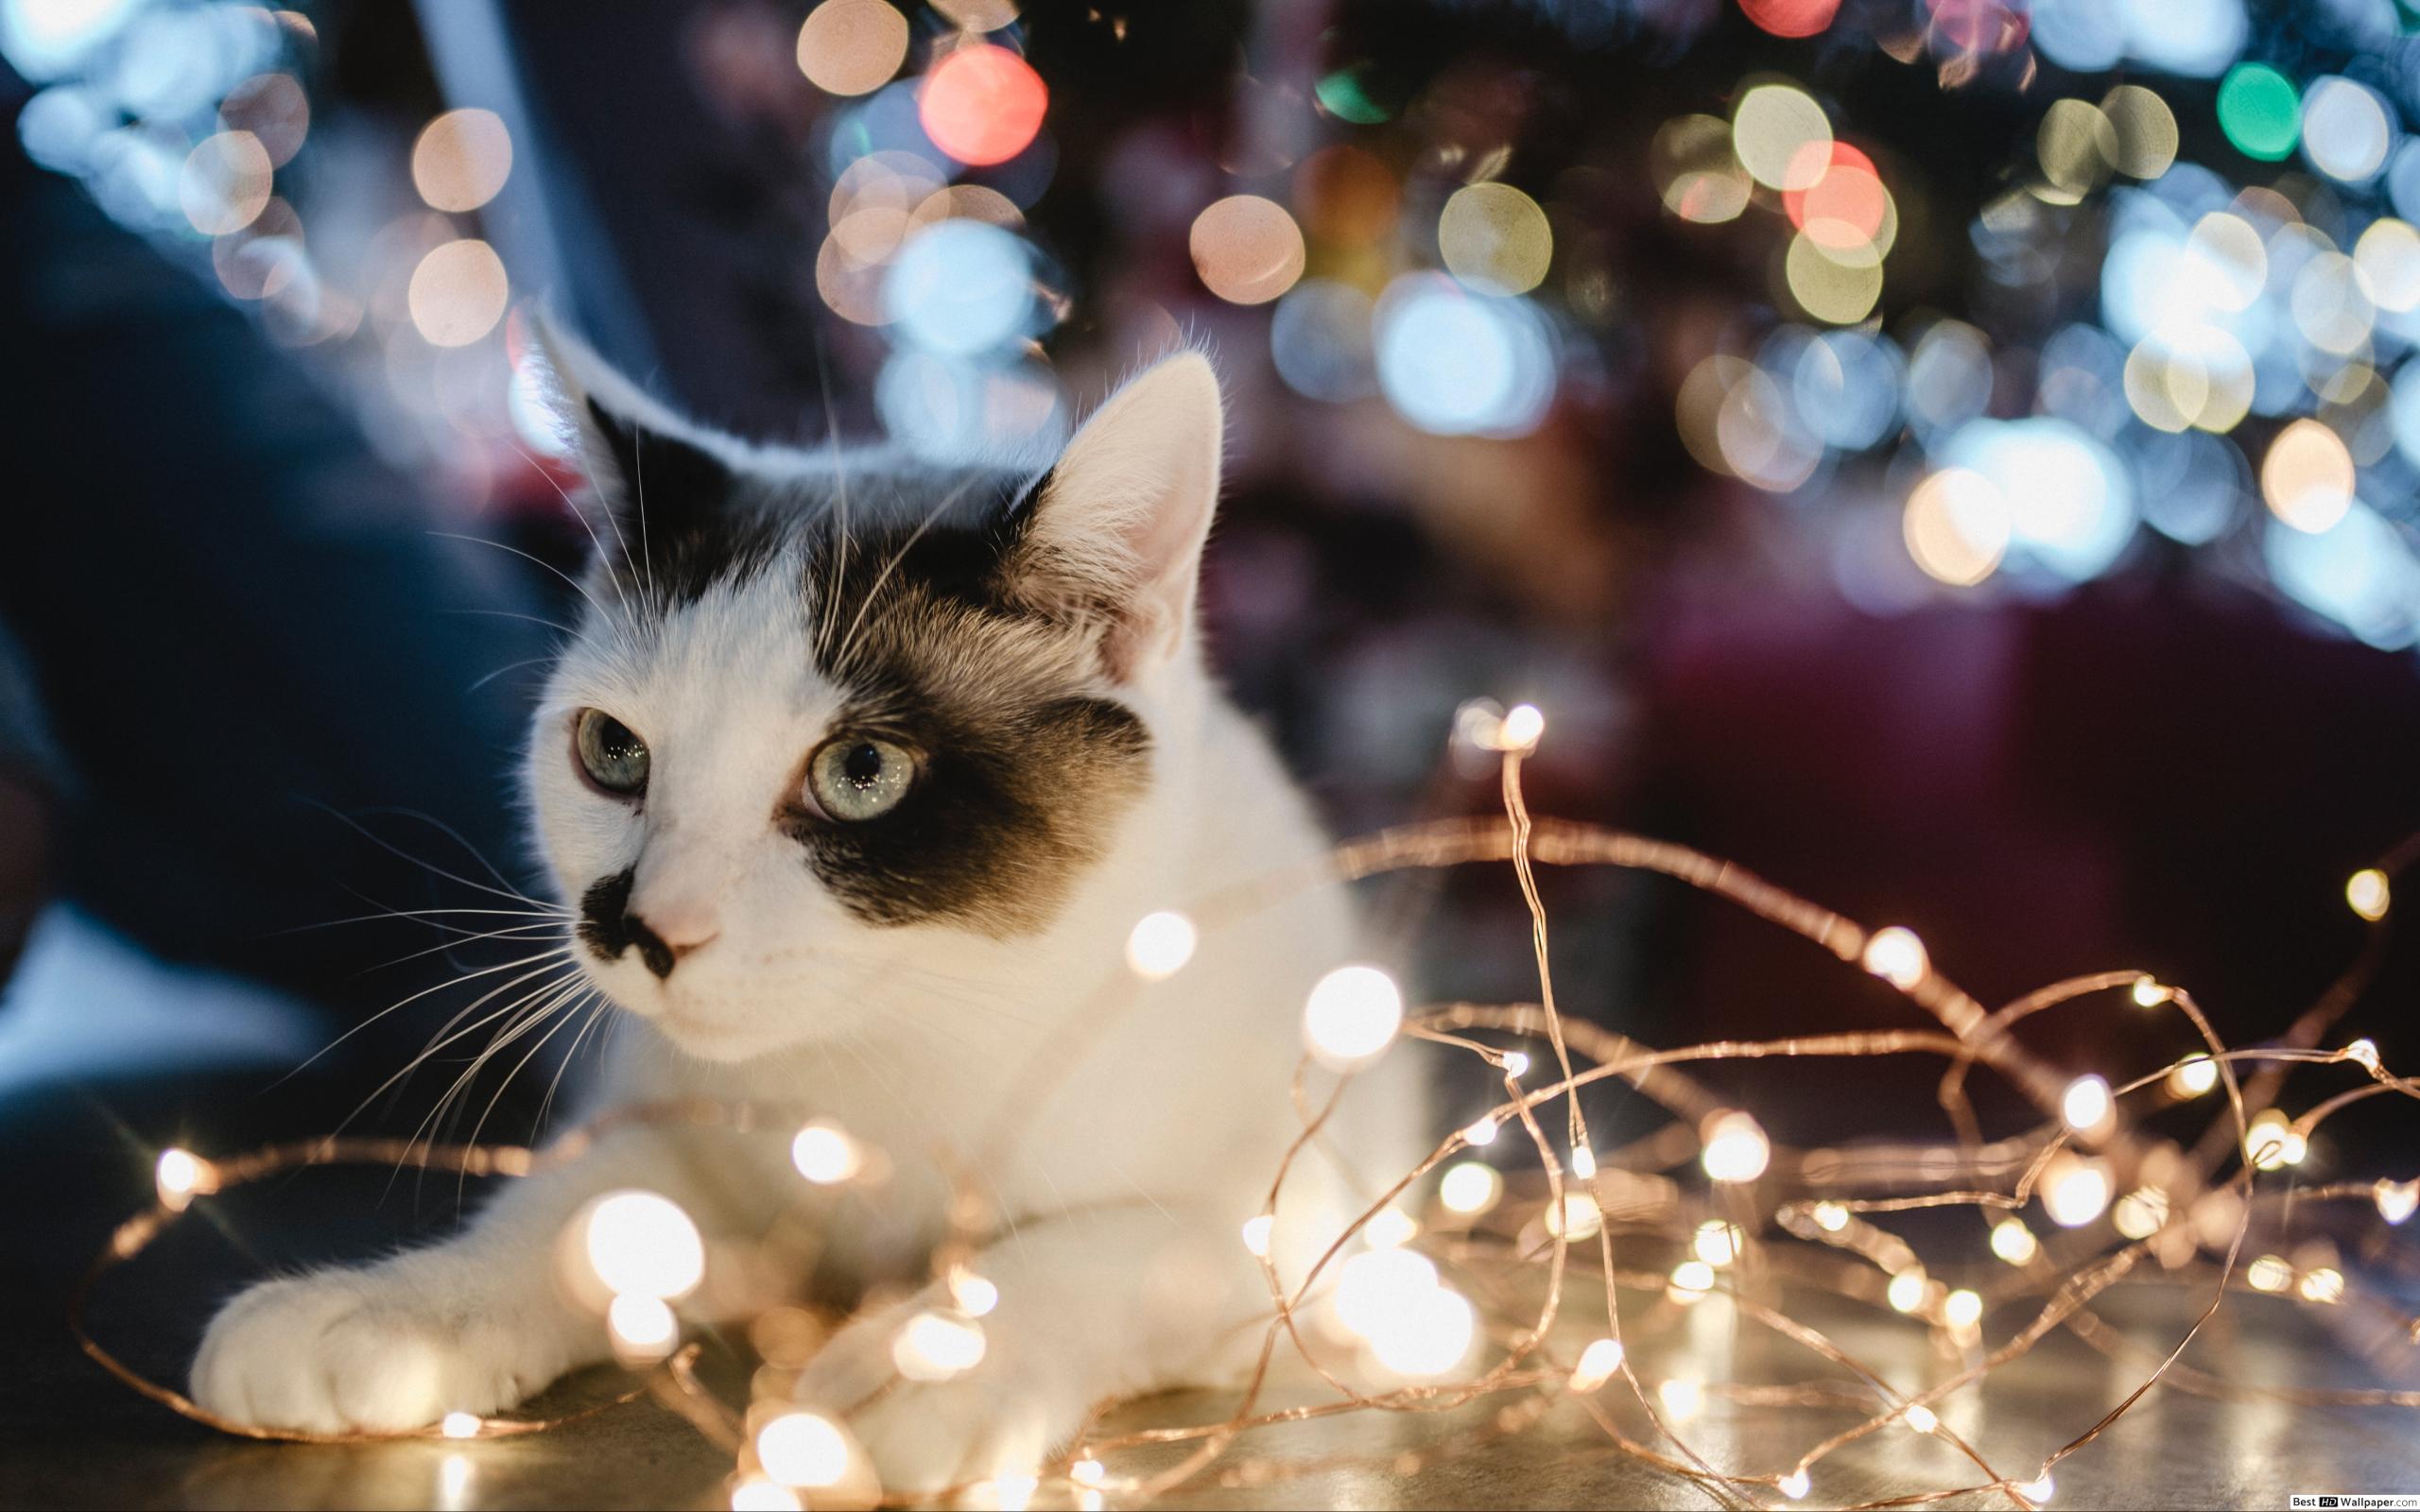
x,y
1954,457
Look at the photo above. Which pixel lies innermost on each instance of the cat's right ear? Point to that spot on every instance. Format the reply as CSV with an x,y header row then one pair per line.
x,y
656,477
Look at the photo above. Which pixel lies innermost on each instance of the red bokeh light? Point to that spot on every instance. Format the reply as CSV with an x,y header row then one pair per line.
x,y
1791,18
982,103
1842,208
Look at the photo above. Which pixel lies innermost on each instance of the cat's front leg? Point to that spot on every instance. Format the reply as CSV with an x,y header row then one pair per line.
x,y
473,1325
1096,1304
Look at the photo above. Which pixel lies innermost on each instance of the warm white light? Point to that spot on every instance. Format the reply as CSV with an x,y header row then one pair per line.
x,y
1597,1364
936,1346
642,1325
1906,1292
2087,1104
1013,1493
1717,1243
1481,1133
2149,994
976,1295
1469,1188
1691,1280
1256,1234
1377,1285
1521,728
453,1479
2013,1242
2326,1285
1795,1486
178,1178
1578,1217
1352,1016
1921,1418
1961,1309
1736,1148
1831,1217
1160,944
2363,1053
2268,1274
2075,1190
458,1425
1389,1229
1516,1065
757,1494
2397,1200
1897,956
641,1243
825,1155
802,1449
2367,891
1088,1472
2036,1491
1584,1163
2193,1075
1683,1398
1428,1335
2270,1142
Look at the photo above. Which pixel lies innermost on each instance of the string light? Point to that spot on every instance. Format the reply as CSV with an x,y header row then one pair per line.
x,y
1352,1016
178,1177
1391,1228
1691,1280
2038,1489
640,1243
976,1295
458,1425
825,1155
803,1450
936,1347
2368,894
2013,1242
1583,1163
1897,956
2075,1190
1597,1364
1256,1234
1470,1188
1795,1484
1906,1292
1831,1217
2087,1104
2363,1053
1717,1243
1480,1133
757,1494
1921,1418
2148,994
1681,1398
1160,945
2268,1273
1736,1148
643,1328
1961,1309
2396,1199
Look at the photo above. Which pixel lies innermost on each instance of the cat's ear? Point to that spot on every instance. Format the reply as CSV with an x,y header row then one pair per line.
x,y
657,477
1118,529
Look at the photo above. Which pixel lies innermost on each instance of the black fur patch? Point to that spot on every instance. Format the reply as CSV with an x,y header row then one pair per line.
x,y
608,927
682,520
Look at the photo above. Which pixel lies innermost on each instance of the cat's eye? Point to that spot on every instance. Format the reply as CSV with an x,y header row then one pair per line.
x,y
858,777
614,757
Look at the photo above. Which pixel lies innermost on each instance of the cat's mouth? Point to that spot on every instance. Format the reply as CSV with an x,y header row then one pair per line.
x,y
703,1035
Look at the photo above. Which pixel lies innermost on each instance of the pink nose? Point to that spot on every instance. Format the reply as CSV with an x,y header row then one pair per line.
x,y
681,929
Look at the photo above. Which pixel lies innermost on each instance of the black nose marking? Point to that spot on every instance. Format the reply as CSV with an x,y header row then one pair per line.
x,y
608,928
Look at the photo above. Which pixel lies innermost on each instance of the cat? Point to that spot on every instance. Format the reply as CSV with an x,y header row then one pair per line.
x,y
861,772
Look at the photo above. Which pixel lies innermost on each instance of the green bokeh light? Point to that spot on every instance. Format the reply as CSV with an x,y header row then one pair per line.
x,y
2260,111
1344,96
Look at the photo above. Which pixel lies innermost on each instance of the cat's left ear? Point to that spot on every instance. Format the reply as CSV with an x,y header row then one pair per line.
x,y
657,477
1116,532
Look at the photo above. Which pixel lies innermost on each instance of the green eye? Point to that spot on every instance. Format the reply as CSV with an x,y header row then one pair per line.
x,y
857,778
614,759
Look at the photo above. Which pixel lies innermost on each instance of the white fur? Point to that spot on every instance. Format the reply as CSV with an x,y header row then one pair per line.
x,y
1119,1262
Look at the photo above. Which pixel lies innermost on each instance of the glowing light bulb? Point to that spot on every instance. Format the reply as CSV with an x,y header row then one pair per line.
x,y
1578,1217
937,1346
757,1494
1379,1284
825,1155
1906,1292
1897,956
458,1425
802,1449
2075,1190
1389,1229
1735,1148
976,1295
2269,1142
2013,1242
1521,728
1831,1217
2149,994
1961,1309
1717,1243
1681,1398
2325,1285
2193,1075
1516,1065
2087,1104
1088,1472
1160,945
1428,1335
1921,1418
1795,1486
1691,1280
2140,1213
2363,1053
2037,1490
642,1326
1256,1234
2367,891
1352,1016
2268,1274
1584,1163
1597,1364
641,1243
2397,1200
179,1177
1481,1133
1470,1187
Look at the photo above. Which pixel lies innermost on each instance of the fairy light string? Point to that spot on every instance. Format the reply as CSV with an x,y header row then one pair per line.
x,y
1762,1229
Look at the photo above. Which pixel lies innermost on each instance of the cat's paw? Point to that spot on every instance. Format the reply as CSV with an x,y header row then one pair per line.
x,y
1000,1418
350,1350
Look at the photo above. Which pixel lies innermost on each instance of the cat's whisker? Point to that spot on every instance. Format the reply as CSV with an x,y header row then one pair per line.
x,y
550,1001
487,971
505,891
516,614
576,585
511,666
581,515
547,976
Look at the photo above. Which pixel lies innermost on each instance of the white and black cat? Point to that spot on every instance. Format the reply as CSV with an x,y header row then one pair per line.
x,y
861,773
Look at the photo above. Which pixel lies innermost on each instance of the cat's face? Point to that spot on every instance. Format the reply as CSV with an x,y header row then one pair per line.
x,y
835,735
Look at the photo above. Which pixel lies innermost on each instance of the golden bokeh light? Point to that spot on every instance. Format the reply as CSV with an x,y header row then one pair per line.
x,y
458,293
2200,378
2307,477
1696,171
225,183
273,107
977,15
1247,250
1771,127
2387,259
852,290
2145,129
966,201
1495,238
1346,197
461,160
1957,526
851,47
2229,261
1837,285
2077,145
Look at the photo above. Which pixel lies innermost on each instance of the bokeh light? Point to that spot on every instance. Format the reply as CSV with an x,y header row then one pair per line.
x,y
1956,525
461,160
2345,129
1460,364
2260,111
2308,476
225,183
458,293
1493,239
982,103
1791,18
1837,285
1772,128
1247,250
852,46
961,288
2145,129
1696,171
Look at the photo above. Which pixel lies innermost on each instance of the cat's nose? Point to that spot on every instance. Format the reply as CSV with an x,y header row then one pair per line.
x,y
663,945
